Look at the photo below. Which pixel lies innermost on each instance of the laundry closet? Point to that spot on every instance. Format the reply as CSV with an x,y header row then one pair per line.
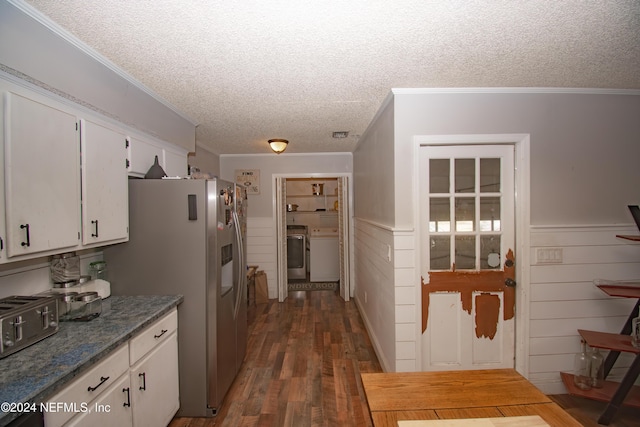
x,y
313,253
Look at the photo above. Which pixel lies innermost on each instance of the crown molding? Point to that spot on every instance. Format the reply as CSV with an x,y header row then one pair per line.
x,y
56,29
514,90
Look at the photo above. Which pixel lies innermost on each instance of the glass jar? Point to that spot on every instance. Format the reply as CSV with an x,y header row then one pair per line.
x,y
597,369
582,369
65,268
98,270
635,331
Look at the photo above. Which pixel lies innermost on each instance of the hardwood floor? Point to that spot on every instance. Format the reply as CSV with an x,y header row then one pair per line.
x,y
303,366
587,411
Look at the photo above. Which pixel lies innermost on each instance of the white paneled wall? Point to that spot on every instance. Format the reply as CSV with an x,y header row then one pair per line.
x,y
563,297
386,293
407,302
261,249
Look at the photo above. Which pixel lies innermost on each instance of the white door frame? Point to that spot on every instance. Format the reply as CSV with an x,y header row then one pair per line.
x,y
278,212
521,143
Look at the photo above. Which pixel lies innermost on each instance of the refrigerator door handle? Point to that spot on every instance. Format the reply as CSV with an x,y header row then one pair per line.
x,y
241,264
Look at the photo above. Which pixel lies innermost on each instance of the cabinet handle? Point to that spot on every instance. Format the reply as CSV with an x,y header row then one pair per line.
x,y
164,331
128,402
28,242
102,381
144,381
95,222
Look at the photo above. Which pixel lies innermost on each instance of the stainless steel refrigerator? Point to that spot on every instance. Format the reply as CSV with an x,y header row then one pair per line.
x,y
188,237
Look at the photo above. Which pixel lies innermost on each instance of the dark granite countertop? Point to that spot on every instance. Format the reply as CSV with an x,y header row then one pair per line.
x,y
37,372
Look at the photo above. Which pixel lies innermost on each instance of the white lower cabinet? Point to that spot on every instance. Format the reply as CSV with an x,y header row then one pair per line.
x,y
76,398
137,385
112,408
154,388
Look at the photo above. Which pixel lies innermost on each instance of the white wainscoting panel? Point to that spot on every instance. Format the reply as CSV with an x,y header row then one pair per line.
x,y
565,299
262,249
385,292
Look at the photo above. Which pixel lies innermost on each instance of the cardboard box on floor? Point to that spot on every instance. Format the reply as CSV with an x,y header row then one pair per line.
x,y
262,288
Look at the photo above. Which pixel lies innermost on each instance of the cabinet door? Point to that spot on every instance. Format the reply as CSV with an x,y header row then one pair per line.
x,y
42,177
175,164
154,385
88,388
112,408
105,216
142,154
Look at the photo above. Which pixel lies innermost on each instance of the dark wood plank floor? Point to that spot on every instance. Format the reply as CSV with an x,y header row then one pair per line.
x,y
303,366
587,411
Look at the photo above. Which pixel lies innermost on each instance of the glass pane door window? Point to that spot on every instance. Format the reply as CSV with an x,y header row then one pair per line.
x,y
465,213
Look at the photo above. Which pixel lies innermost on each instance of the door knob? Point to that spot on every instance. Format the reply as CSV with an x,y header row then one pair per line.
x,y
510,282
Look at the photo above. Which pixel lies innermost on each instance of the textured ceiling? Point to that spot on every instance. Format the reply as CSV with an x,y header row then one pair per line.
x,y
252,70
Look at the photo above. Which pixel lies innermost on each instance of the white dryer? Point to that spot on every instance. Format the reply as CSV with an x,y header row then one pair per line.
x,y
324,255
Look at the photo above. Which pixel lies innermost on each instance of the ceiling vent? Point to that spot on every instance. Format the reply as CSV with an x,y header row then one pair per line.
x,y
341,134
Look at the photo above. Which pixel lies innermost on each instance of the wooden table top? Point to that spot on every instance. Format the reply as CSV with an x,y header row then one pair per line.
x,y
456,395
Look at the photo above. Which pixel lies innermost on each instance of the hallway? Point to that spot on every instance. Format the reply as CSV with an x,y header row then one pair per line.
x,y
302,367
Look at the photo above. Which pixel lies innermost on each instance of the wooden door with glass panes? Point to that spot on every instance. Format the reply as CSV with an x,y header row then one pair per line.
x,y
467,256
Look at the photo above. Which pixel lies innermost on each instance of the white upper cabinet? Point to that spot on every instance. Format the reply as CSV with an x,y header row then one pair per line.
x,y
64,174
142,154
175,164
105,215
42,177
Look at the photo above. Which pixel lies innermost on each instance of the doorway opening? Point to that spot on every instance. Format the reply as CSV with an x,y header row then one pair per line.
x,y
313,233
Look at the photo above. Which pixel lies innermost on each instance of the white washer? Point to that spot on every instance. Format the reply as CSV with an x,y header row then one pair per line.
x,y
324,255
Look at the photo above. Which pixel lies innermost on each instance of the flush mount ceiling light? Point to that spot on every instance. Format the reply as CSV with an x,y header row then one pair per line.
x,y
278,145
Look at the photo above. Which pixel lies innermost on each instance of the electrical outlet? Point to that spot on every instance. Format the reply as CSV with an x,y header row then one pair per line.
x,y
549,256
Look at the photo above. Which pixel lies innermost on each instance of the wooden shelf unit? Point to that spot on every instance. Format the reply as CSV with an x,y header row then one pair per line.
x,y
624,392
627,237
607,341
603,394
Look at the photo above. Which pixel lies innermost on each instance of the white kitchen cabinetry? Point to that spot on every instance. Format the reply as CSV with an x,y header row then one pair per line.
x,y
112,408
142,154
154,381
81,395
42,177
49,157
137,385
153,355
175,164
105,214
